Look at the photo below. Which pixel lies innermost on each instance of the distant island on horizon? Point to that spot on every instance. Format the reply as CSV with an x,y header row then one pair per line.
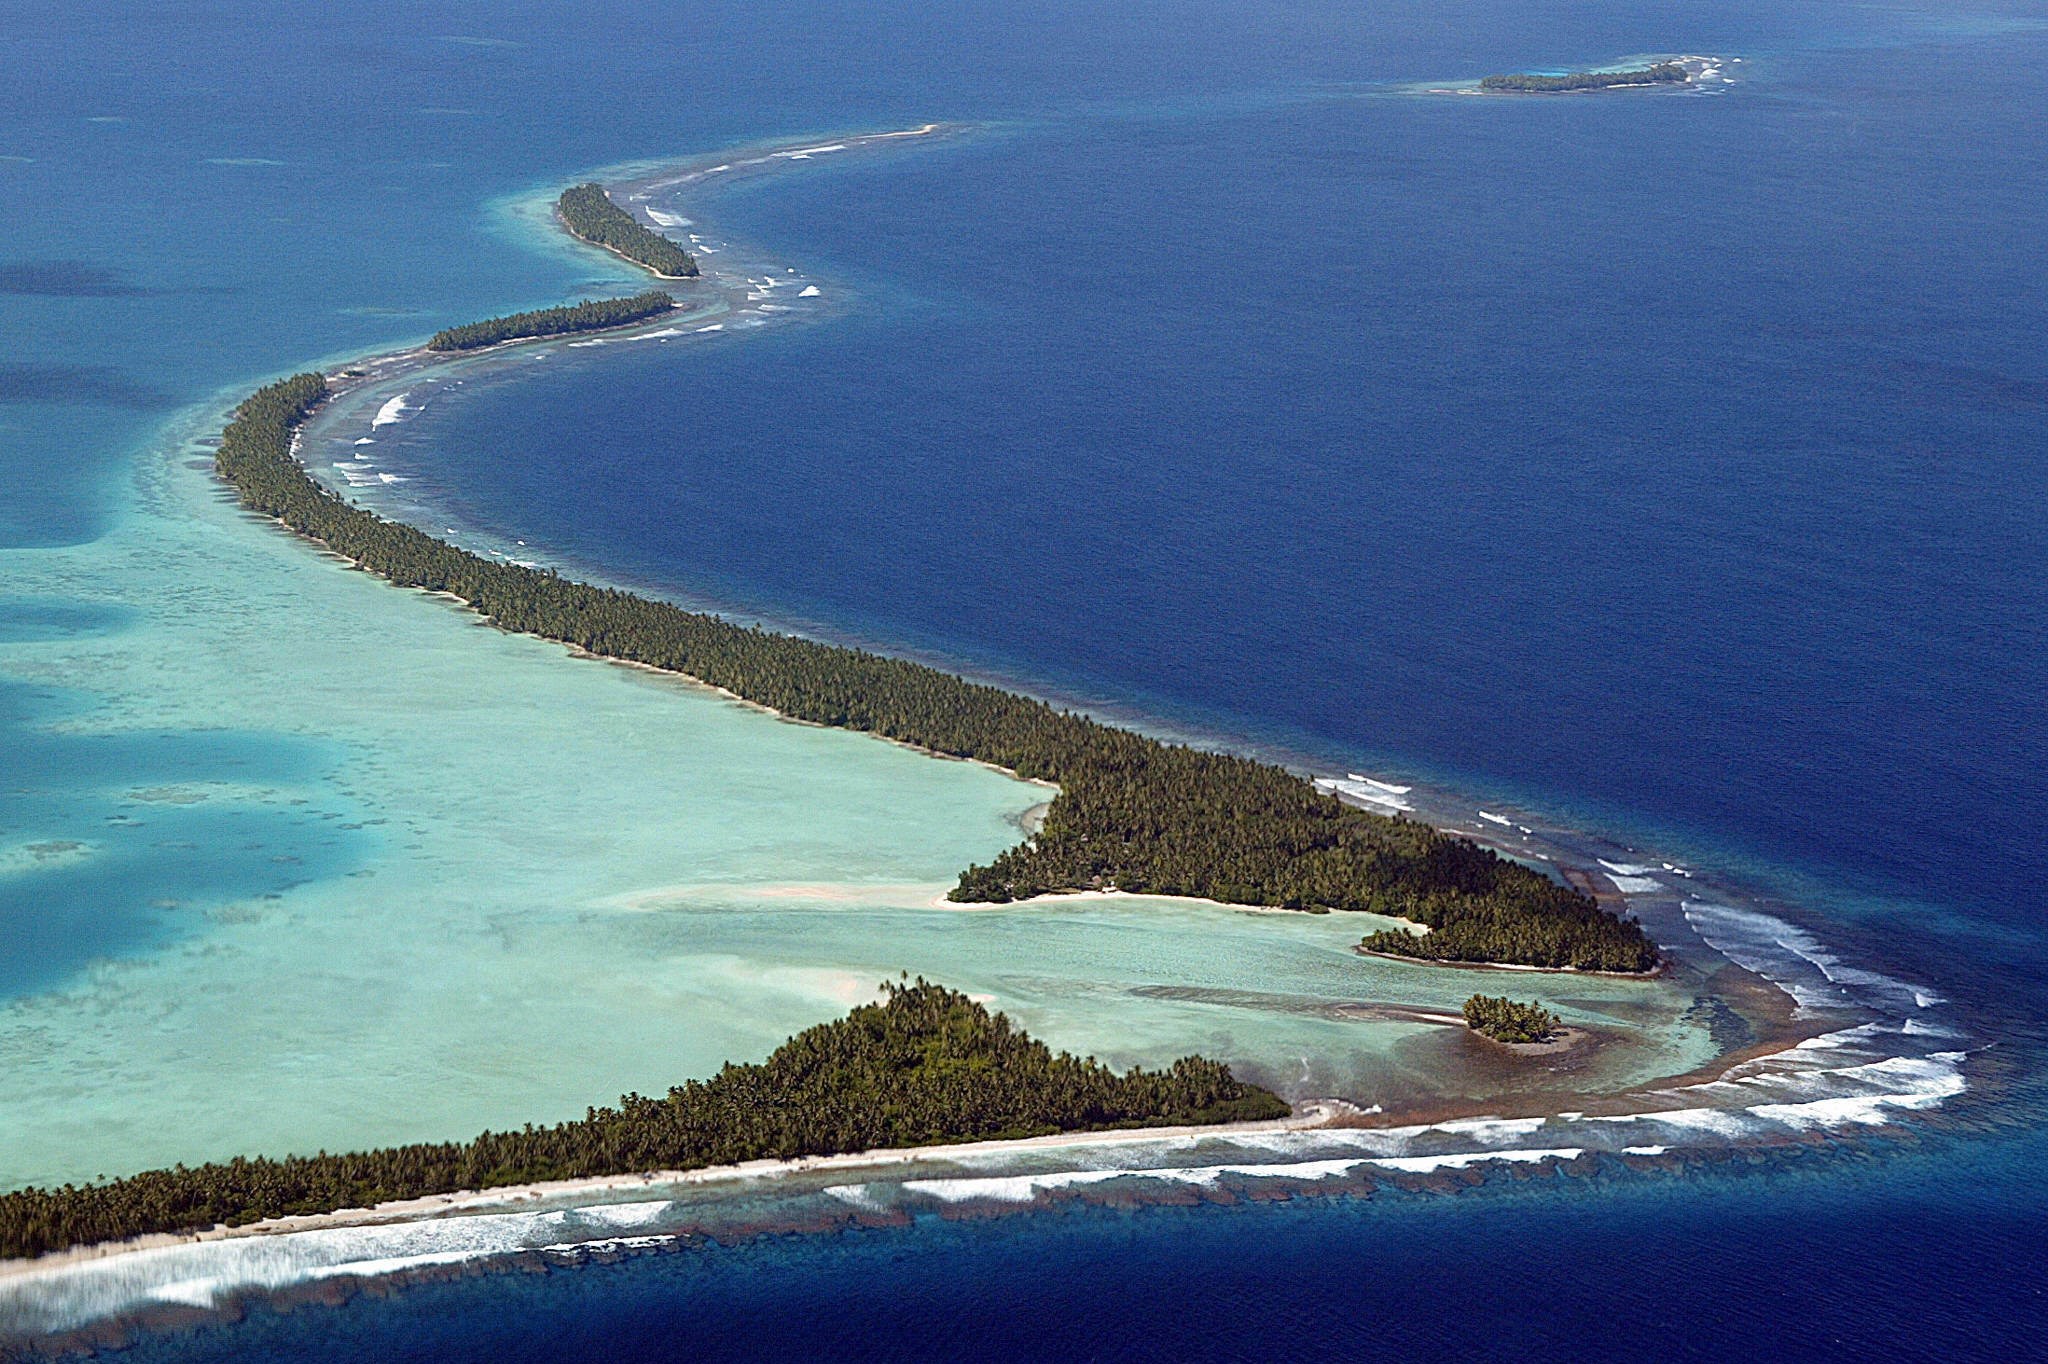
x,y
1663,73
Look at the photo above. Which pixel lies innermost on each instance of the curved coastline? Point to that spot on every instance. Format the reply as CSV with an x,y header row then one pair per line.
x,y
1778,1026
380,367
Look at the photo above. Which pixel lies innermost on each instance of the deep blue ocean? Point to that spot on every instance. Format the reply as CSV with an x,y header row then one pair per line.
x,y
1672,464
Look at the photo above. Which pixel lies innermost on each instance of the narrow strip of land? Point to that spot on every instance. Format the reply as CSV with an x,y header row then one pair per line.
x,y
927,1066
592,314
1663,73
1132,814
589,213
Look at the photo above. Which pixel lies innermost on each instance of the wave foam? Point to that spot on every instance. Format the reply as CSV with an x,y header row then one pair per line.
x,y
1799,963
1380,793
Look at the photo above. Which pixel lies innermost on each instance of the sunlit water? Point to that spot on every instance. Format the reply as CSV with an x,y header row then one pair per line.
x,y
1642,465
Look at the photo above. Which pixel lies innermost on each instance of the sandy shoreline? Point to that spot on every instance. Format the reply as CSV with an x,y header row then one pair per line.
x,y
512,1196
1512,966
1056,897
671,279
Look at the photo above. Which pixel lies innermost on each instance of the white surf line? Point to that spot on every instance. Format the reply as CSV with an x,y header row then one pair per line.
x,y
1367,789
1840,1080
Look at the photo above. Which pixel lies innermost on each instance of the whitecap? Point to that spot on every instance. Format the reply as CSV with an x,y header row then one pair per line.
x,y
1719,1122
1367,790
580,1248
1465,1159
1006,1188
1492,1129
390,412
1796,961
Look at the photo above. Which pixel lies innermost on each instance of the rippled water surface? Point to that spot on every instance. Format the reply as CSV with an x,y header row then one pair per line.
x,y
1664,465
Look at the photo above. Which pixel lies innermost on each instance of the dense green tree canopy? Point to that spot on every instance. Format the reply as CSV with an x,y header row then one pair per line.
x,y
925,1066
1664,73
1504,1020
1132,813
590,213
592,314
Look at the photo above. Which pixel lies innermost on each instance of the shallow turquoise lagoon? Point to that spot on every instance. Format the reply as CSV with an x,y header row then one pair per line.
x,y
422,877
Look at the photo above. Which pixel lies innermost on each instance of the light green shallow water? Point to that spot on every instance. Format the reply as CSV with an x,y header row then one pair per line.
x,y
589,879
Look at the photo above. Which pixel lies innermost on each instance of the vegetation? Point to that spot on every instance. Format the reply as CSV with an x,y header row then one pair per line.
x,y
925,1066
1132,813
1504,1020
590,213
1664,73
1518,920
592,314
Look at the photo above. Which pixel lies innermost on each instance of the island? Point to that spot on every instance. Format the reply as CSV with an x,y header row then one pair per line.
x,y
592,314
1133,814
1663,73
589,213
1505,1020
926,1066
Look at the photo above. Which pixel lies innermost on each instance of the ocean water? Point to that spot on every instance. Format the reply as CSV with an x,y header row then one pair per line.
x,y
1714,1270
1668,465
1630,451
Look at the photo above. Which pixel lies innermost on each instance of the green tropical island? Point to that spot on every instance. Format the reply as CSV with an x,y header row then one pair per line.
x,y
588,212
1663,73
1505,1020
1133,814
926,1066
592,314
